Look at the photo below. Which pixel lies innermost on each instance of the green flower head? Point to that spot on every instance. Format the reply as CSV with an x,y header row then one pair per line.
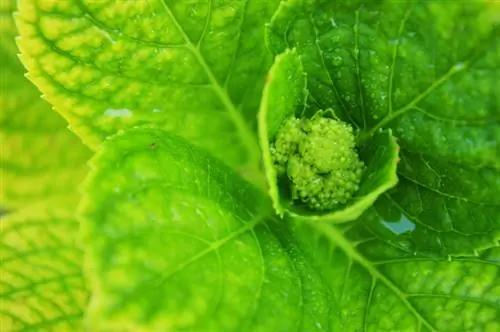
x,y
319,158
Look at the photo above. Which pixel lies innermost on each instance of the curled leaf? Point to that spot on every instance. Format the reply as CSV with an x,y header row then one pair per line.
x,y
285,95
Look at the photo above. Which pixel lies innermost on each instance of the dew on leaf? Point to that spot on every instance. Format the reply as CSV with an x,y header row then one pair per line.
x,y
118,113
337,60
459,66
107,36
439,241
395,41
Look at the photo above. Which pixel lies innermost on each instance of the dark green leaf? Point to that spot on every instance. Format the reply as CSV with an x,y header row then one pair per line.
x,y
428,71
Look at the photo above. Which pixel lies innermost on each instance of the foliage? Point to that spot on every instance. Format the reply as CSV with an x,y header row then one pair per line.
x,y
184,221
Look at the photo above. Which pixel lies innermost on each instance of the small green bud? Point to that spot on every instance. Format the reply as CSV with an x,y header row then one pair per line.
x,y
285,145
319,158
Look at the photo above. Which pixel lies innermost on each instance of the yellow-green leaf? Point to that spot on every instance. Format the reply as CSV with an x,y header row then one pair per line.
x,y
42,286
192,67
40,158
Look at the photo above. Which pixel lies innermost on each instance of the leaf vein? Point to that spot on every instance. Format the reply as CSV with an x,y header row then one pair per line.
x,y
323,64
248,138
336,237
456,297
394,56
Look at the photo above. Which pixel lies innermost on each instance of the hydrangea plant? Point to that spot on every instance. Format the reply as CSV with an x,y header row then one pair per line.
x,y
249,165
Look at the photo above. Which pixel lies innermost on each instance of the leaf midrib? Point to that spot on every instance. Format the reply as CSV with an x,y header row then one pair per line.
x,y
246,134
247,137
338,238
402,110
213,247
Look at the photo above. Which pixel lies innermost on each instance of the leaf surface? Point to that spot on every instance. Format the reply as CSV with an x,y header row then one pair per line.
x,y
376,286
176,240
383,65
285,95
40,158
191,67
42,286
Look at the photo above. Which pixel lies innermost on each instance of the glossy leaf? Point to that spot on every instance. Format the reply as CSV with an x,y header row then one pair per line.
x,y
176,240
376,286
427,71
42,286
192,67
285,95
40,158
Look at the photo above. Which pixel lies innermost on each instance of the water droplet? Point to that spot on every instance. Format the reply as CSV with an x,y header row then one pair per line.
x,y
107,36
439,241
459,66
394,41
118,113
337,60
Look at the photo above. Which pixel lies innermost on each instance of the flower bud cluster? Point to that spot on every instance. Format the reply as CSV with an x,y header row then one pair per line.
x,y
319,158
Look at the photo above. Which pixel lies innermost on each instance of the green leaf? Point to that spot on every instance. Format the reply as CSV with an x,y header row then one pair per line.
x,y
284,96
176,240
191,67
427,71
42,286
40,158
378,287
